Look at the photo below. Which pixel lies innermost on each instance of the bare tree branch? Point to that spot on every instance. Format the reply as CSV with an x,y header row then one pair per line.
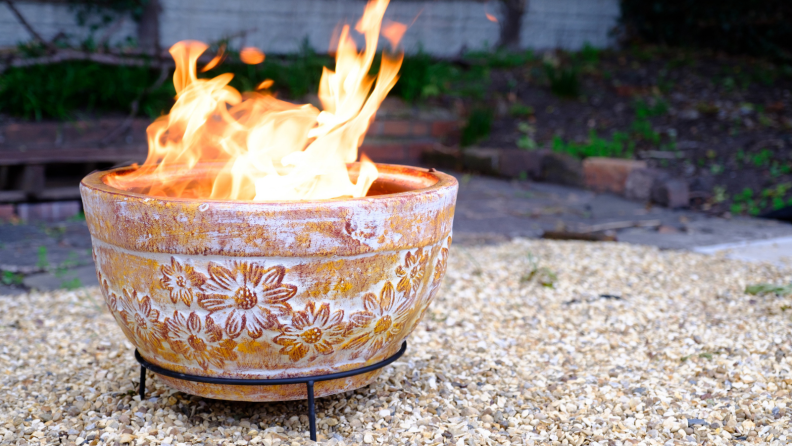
x,y
27,25
104,58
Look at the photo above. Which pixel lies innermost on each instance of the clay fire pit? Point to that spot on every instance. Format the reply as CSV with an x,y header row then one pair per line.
x,y
260,290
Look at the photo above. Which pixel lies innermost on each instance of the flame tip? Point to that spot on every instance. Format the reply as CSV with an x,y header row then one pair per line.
x,y
268,149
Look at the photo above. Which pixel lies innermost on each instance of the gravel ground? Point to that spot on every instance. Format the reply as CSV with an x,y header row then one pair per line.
x,y
631,345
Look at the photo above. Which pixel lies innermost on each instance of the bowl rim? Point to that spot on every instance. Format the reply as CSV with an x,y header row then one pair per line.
x,y
94,181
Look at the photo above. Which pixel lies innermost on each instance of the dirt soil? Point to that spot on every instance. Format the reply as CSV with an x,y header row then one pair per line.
x,y
724,123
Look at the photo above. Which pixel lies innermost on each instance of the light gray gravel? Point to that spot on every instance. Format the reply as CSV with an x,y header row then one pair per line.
x,y
630,345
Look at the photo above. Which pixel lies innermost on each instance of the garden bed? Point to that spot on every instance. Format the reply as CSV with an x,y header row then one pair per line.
x,y
723,123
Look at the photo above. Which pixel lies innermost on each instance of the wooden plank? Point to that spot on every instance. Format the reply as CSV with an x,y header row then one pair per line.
x,y
60,193
12,196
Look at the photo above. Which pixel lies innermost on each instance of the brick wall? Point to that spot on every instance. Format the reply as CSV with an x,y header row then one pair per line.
x,y
444,27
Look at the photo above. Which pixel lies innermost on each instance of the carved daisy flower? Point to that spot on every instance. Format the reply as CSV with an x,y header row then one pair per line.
x,y
412,272
312,330
141,320
237,294
380,322
198,341
181,281
440,267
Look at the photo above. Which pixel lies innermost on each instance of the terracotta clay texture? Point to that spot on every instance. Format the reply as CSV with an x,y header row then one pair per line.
x,y
272,290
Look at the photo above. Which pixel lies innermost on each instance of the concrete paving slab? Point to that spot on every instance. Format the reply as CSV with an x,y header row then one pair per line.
x,y
774,250
489,209
69,279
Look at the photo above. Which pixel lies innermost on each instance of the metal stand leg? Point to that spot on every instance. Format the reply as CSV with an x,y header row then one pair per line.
x,y
142,387
311,410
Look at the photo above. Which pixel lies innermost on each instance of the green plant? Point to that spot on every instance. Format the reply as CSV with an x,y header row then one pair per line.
x,y
719,194
521,110
539,274
527,141
619,146
564,82
644,110
644,129
63,89
80,216
768,288
42,262
777,169
589,54
422,77
500,58
11,278
777,194
71,284
478,126
762,158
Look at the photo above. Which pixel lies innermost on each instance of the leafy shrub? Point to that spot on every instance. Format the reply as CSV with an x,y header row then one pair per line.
x,y
478,126
619,146
59,90
564,82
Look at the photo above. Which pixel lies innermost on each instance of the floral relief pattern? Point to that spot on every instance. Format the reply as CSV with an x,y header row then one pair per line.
x,y
237,295
314,329
141,319
181,281
233,305
412,272
380,322
200,341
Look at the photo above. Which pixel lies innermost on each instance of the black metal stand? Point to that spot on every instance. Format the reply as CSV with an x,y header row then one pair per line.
x,y
307,380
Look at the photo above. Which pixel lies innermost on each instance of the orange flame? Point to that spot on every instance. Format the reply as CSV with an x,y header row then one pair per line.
x,y
490,17
215,60
251,56
217,143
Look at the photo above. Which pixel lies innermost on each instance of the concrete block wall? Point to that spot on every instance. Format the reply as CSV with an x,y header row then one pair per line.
x,y
48,19
440,27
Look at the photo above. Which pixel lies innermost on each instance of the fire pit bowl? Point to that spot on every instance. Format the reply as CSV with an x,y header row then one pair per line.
x,y
268,290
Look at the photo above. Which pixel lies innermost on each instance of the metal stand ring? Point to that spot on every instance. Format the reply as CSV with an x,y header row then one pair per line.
x,y
307,380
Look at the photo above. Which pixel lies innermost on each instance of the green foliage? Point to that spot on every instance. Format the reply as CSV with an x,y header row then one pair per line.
x,y
527,141
295,75
768,288
539,274
42,263
71,284
501,58
10,278
422,77
564,81
762,158
746,202
643,110
589,54
478,126
62,90
619,146
521,110
643,128
737,26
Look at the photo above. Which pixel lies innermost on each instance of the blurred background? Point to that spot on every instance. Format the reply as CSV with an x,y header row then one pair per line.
x,y
649,121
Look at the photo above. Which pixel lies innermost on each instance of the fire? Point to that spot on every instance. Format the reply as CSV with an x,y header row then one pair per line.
x,y
218,143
